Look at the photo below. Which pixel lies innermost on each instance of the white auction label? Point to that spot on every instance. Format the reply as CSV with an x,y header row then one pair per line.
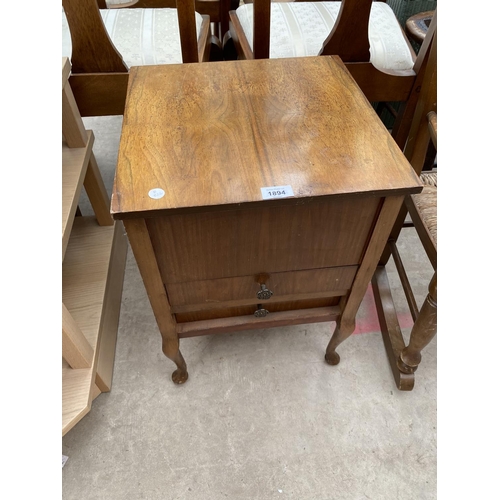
x,y
276,192
156,193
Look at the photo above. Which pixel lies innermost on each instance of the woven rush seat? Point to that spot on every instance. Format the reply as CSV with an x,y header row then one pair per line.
x,y
426,205
142,36
429,179
299,29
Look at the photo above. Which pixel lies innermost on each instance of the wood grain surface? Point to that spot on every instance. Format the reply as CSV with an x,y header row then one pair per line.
x,y
267,239
212,135
210,293
240,323
248,311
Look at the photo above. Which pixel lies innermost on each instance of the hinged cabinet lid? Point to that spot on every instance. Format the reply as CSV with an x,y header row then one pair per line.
x,y
206,135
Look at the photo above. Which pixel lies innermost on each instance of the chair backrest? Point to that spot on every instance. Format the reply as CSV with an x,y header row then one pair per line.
x,y
420,134
99,76
348,38
94,52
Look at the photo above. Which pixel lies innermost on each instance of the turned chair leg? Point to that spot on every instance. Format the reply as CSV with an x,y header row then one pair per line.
x,y
170,347
423,331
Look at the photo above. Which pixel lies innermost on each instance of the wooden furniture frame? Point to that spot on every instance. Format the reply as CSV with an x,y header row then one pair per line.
x,y
210,246
94,250
416,26
404,359
99,76
349,40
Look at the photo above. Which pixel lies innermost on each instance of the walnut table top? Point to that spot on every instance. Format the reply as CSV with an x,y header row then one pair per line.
x,y
215,134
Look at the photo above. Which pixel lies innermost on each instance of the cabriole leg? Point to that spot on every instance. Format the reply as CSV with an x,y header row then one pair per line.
x,y
170,348
342,331
145,257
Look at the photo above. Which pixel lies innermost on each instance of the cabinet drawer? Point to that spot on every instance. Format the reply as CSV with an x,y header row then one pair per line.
x,y
271,307
242,290
310,235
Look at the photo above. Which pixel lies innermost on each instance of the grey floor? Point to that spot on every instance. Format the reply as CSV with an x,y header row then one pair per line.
x,y
262,416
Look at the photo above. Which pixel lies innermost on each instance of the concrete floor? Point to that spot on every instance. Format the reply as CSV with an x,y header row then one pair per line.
x,y
262,415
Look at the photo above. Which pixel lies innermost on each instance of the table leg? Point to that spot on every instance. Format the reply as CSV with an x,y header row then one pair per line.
x,y
170,347
342,331
142,248
350,303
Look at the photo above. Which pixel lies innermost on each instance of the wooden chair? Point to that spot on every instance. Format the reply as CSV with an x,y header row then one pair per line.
x,y
380,59
217,10
103,43
422,208
416,26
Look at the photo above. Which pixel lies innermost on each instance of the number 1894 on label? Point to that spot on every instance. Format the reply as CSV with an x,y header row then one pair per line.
x,y
276,192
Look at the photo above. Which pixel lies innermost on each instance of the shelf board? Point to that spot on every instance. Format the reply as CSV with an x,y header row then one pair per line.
x,y
74,167
84,278
76,387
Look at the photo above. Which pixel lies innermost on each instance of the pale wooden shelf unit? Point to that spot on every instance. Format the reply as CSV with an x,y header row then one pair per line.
x,y
75,161
94,250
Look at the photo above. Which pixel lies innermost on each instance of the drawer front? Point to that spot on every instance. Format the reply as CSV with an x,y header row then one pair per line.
x,y
223,244
243,290
271,307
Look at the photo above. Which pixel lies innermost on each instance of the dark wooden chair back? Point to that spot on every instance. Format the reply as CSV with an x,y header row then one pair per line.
x,y
99,74
348,38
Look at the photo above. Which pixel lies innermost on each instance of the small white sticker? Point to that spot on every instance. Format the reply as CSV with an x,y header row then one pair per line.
x,y
64,460
276,192
156,193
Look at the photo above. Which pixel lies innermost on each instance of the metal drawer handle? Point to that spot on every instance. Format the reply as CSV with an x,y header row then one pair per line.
x,y
260,312
264,293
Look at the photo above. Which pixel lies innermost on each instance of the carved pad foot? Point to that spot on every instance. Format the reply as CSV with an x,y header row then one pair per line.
x,y
332,358
171,350
179,376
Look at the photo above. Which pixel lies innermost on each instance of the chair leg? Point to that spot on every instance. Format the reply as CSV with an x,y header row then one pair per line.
x,y
230,52
389,326
216,51
424,330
